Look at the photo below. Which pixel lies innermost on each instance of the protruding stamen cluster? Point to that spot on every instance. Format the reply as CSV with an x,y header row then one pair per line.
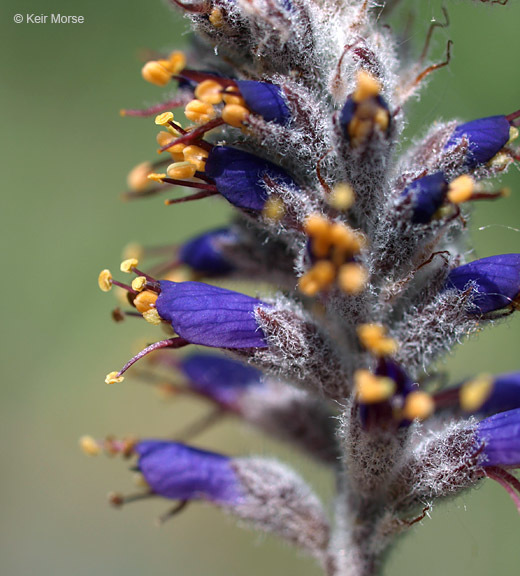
x,y
333,247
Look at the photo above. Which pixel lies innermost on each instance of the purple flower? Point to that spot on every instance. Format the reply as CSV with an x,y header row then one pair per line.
x,y
266,100
427,195
500,436
485,138
179,472
210,316
496,280
222,379
239,176
204,252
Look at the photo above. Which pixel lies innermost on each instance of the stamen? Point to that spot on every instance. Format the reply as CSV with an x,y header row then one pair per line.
x,y
209,91
371,389
199,112
137,178
367,87
352,278
232,96
145,301
105,280
156,73
117,500
113,378
181,170
514,118
176,102
128,265
139,283
473,394
196,196
172,512
90,446
419,405
216,17
461,189
342,197
274,208
235,115
175,343
373,337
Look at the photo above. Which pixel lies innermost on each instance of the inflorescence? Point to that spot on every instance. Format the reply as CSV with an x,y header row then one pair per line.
x,y
297,126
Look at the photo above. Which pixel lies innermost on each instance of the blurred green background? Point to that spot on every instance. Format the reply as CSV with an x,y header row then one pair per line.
x,y
65,154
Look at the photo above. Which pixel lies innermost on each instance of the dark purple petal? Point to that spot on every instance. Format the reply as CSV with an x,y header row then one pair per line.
x,y
485,136
179,472
239,176
427,195
204,254
210,316
501,437
222,379
266,100
496,278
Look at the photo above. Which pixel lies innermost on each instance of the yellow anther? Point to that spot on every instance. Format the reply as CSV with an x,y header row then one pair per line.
x,y
366,87
89,446
181,170
316,225
473,394
133,250
196,155
373,337
199,112
177,61
138,283
232,96
113,378
209,91
324,272
156,177
461,189
145,301
419,405
235,115
308,285
137,178
216,17
176,151
319,277
352,278
513,134
152,316
344,237
274,208
164,119
342,197
105,280
128,265
156,73
382,119
371,389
